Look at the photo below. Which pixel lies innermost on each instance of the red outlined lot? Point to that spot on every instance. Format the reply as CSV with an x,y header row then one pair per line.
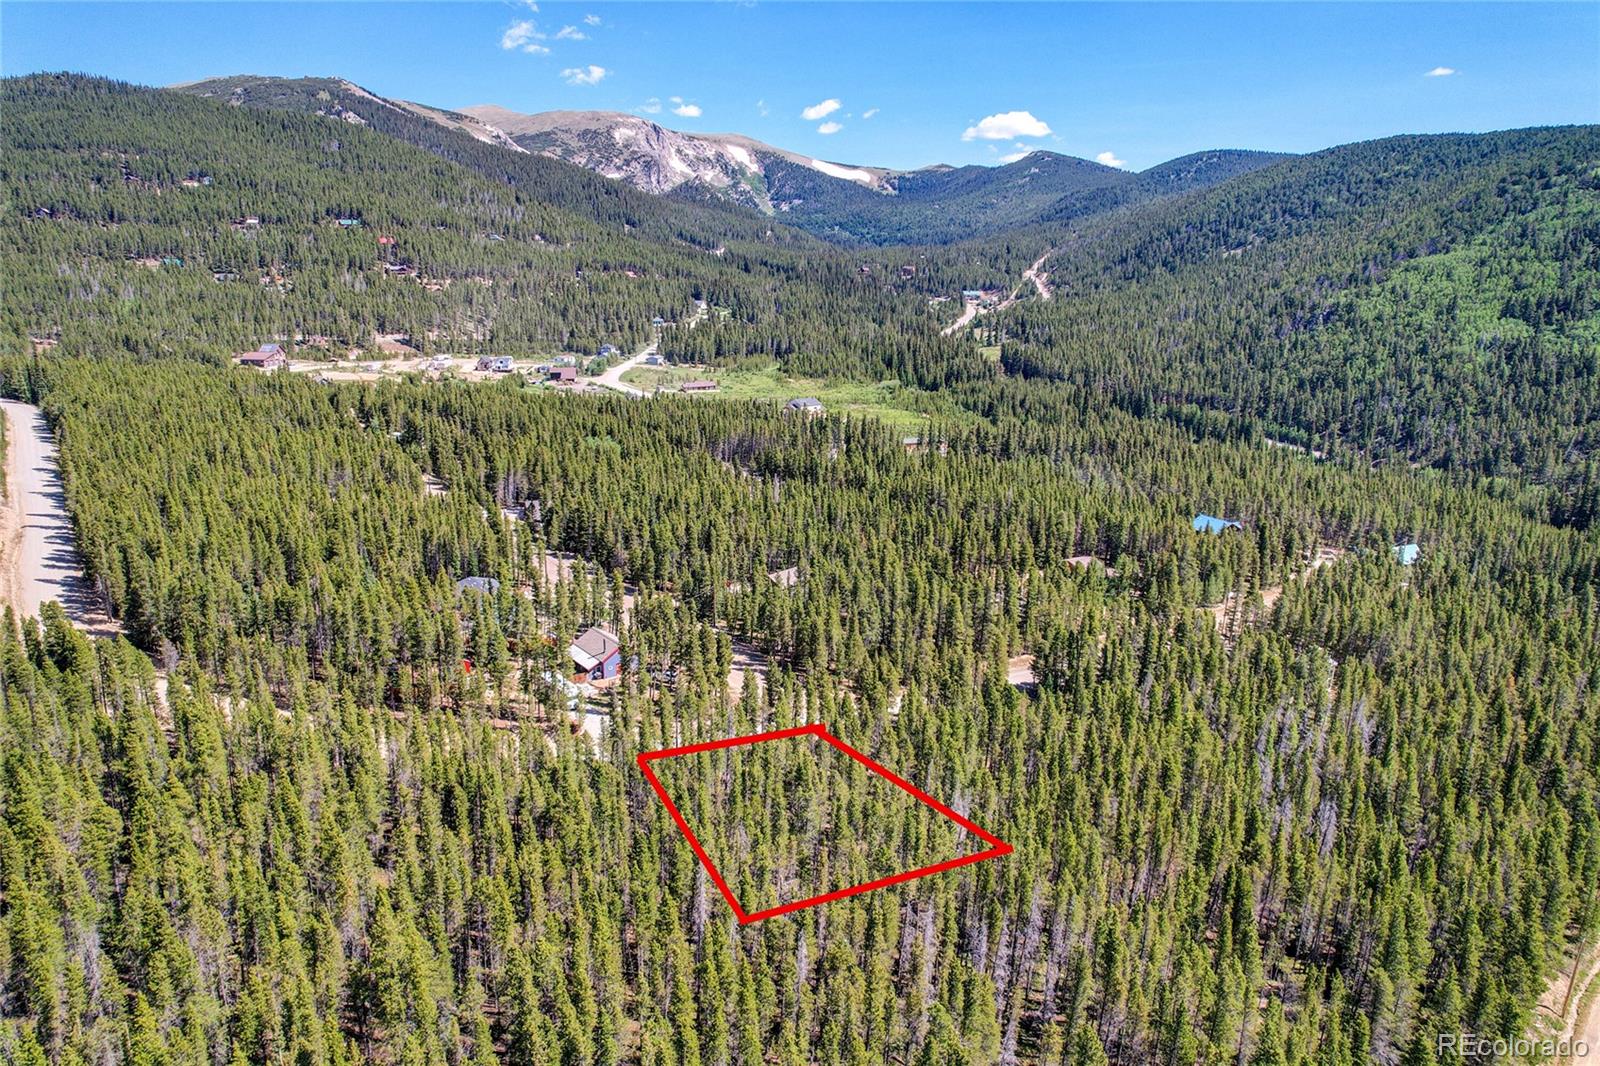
x,y
995,850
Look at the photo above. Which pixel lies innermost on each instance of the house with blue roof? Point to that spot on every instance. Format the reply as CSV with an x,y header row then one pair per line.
x,y
1204,523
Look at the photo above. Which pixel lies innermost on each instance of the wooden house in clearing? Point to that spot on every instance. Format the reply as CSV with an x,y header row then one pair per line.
x,y
562,373
698,385
266,357
597,654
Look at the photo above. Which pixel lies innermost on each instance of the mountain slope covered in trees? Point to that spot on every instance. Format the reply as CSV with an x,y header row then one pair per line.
x,y
852,205
159,223
1265,811
1370,819
1426,299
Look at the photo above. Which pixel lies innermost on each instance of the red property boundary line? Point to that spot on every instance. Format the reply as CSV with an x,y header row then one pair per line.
x,y
997,847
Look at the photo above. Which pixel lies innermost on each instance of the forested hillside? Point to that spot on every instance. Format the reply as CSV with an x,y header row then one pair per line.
x,y
942,205
1275,796
1366,818
130,229
1421,299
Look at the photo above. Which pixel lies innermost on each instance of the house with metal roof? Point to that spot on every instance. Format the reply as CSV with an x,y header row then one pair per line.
x,y
1204,523
267,357
805,405
1406,554
597,653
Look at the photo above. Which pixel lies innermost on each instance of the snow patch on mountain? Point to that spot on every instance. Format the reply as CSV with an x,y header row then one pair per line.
x,y
834,170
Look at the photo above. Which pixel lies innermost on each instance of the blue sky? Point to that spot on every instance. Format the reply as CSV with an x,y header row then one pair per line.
x,y
892,84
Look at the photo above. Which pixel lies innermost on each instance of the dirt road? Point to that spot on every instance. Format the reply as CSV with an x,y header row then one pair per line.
x,y
612,377
968,313
1041,280
1033,274
38,555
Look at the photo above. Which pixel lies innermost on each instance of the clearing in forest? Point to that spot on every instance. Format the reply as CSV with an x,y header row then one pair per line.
x,y
791,819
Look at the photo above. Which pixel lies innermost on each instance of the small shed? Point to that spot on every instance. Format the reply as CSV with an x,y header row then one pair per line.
x,y
608,350
1204,523
562,373
596,653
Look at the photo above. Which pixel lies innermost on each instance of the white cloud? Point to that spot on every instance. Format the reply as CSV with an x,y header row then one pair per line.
x,y
531,6
822,110
684,108
1022,153
571,33
1005,126
1440,72
523,35
869,112
762,109
829,127
589,75
651,106
1110,159
591,20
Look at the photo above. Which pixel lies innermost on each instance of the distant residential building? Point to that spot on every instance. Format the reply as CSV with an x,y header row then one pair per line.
x,y
658,321
609,350
1406,554
806,405
350,223
563,373
596,653
1205,523
497,364
266,357
972,294
698,385
652,360
787,578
